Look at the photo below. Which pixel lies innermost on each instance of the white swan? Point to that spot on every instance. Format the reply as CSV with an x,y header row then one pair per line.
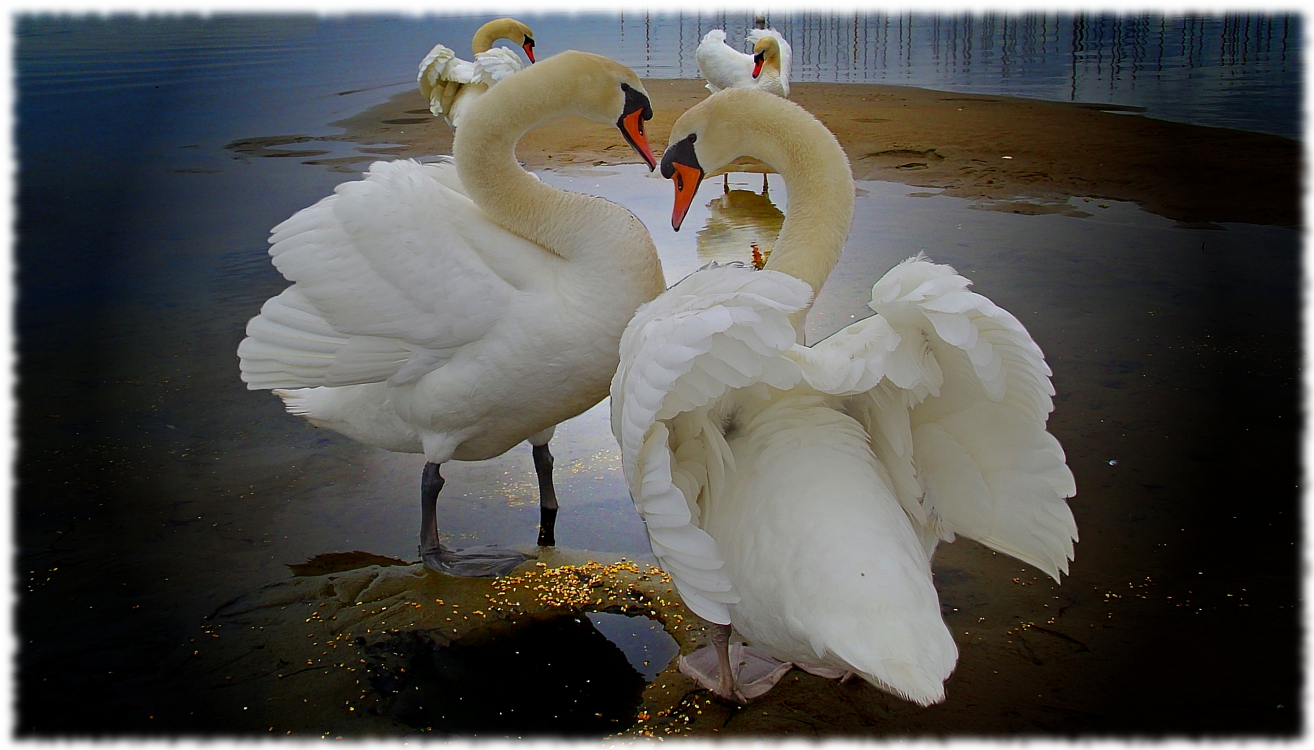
x,y
798,492
725,67
451,84
425,321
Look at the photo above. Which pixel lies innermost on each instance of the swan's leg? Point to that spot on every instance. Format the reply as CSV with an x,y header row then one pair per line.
x,y
725,683
547,497
547,494
471,562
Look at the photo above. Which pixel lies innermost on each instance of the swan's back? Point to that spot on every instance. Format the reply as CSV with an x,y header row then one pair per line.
x,y
723,66
828,566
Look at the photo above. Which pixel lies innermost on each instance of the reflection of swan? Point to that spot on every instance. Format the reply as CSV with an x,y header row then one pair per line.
x,y
451,84
725,67
797,492
739,219
459,326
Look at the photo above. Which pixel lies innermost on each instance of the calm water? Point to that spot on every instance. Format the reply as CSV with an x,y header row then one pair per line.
x,y
152,486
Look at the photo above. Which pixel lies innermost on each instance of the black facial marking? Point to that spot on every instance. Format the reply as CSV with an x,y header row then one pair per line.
x,y
683,153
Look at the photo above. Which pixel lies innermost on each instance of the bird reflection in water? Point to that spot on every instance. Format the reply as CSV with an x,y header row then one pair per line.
x,y
742,226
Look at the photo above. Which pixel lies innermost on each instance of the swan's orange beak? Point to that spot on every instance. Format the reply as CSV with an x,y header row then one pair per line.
x,y
687,179
758,59
680,165
637,109
529,49
632,126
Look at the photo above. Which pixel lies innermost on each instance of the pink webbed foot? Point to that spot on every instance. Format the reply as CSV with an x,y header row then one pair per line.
x,y
752,672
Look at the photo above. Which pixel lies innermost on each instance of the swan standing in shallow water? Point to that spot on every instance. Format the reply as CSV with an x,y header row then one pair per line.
x,y
452,84
799,492
766,69
456,310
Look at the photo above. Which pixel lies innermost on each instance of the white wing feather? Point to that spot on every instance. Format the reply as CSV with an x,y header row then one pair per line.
x,y
424,275
496,64
961,406
722,328
451,84
924,421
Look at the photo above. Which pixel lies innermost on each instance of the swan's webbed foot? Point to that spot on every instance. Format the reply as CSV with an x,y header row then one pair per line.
x,y
472,562
734,673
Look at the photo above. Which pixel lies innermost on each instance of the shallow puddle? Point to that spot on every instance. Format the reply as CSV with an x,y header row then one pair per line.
x,y
558,676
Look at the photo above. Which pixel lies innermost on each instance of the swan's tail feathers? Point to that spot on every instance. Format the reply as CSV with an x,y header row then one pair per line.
x,y
980,396
294,400
715,331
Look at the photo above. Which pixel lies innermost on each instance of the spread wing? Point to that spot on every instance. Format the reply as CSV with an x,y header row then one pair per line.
x,y
441,76
496,64
392,274
723,328
955,395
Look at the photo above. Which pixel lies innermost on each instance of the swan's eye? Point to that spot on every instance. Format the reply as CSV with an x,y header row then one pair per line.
x,y
625,87
692,137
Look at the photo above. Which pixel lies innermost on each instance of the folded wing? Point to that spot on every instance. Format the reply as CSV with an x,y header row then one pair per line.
x,y
721,329
392,276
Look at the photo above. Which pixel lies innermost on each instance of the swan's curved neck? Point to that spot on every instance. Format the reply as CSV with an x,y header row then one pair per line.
x,y
819,183
571,225
491,32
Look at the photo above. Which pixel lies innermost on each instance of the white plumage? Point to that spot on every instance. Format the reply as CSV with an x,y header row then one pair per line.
x,y
452,84
457,309
799,492
725,67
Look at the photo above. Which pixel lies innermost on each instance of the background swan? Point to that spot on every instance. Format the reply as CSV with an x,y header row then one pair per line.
x,y
451,84
425,321
798,492
766,69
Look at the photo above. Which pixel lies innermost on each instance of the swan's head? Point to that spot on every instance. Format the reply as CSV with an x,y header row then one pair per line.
x,y
708,136
767,50
504,28
603,90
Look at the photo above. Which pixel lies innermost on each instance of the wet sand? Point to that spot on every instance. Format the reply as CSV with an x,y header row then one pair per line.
x,y
1011,154
1177,404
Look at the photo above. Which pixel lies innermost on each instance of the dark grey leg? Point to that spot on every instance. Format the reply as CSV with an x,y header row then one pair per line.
x,y
547,497
431,483
470,562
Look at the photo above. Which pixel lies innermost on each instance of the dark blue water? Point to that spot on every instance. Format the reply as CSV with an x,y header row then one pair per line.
x,y
151,486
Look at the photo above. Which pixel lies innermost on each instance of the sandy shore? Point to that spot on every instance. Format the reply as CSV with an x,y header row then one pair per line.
x,y
1011,154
